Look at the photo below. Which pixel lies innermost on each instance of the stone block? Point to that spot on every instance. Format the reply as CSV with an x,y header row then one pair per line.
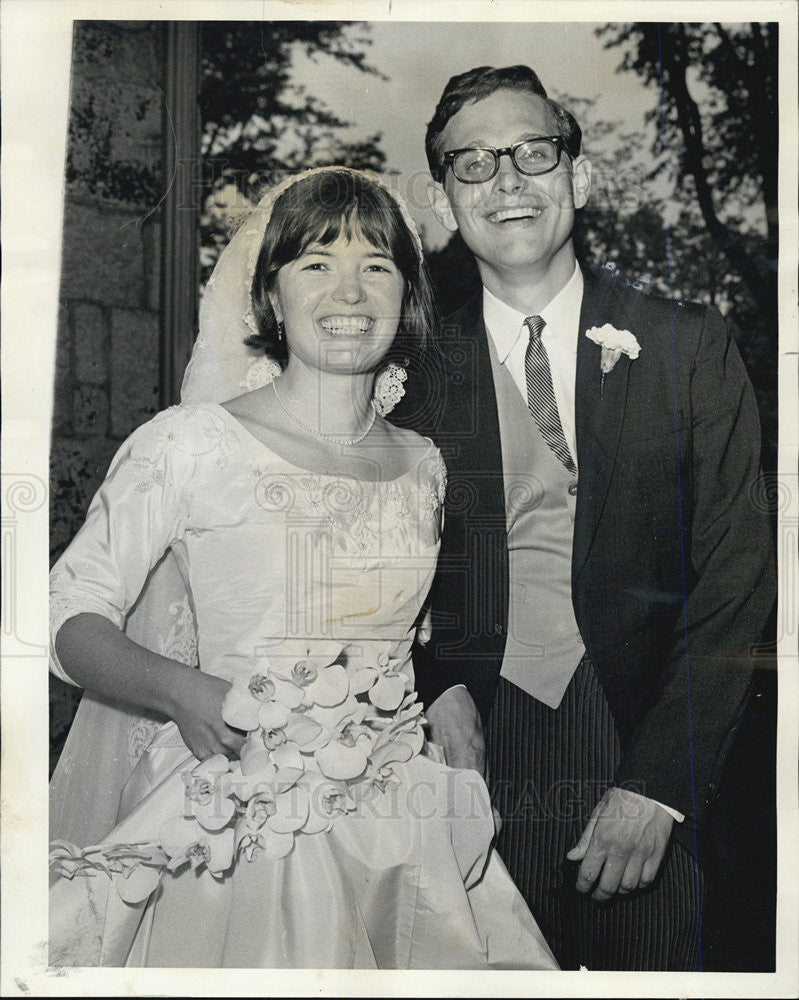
x,y
117,50
102,256
153,249
115,142
139,121
91,344
62,390
90,410
135,337
77,467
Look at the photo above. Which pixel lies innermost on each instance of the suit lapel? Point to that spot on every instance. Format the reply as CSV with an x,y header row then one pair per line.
x,y
476,541
599,410
471,398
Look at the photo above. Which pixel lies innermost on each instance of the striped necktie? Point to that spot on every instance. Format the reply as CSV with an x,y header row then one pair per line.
x,y
541,395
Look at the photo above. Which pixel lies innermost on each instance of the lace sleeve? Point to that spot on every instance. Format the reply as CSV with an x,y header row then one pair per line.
x,y
438,473
433,483
139,510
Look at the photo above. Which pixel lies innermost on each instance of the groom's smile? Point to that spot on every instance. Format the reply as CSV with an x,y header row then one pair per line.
x,y
515,214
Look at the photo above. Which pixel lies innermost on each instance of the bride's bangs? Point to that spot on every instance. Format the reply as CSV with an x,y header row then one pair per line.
x,y
325,206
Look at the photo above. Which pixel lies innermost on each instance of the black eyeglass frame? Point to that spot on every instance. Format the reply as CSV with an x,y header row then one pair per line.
x,y
556,140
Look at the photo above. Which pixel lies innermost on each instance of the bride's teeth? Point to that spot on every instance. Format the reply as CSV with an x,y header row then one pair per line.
x,y
346,325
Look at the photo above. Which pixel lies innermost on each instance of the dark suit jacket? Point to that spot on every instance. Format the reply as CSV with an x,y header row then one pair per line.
x,y
672,576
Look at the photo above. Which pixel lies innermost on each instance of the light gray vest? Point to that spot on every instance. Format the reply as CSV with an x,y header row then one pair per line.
x,y
543,645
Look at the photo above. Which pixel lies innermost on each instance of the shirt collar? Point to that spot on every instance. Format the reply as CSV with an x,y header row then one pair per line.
x,y
562,314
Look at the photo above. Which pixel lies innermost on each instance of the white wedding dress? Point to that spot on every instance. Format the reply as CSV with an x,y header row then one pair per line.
x,y
271,553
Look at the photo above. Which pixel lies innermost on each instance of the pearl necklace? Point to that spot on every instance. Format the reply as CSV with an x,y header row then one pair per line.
x,y
326,437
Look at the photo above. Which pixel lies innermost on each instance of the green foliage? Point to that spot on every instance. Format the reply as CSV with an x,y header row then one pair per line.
x,y
714,122
735,68
713,128
257,123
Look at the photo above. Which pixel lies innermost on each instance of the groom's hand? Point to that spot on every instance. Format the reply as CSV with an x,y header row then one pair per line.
x,y
622,845
455,725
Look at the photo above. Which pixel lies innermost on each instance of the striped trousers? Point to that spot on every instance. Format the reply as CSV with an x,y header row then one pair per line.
x,y
547,769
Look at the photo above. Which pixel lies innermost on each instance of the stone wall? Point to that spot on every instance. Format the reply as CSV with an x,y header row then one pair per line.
x,y
107,355
107,365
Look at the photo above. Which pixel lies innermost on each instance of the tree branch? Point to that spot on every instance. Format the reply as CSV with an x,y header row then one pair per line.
x,y
675,63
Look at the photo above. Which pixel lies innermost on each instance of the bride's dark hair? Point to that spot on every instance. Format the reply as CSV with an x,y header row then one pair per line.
x,y
320,208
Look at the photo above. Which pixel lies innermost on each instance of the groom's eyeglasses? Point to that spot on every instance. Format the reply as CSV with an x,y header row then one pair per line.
x,y
477,164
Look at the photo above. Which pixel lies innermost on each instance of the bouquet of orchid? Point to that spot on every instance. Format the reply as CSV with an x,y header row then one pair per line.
x,y
322,733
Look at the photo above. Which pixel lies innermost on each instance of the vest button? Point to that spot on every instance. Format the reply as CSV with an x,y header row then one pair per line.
x,y
573,489
499,628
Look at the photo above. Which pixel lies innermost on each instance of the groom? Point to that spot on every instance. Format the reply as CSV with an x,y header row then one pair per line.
x,y
603,571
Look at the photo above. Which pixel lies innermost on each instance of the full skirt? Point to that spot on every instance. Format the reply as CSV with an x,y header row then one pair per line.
x,y
409,880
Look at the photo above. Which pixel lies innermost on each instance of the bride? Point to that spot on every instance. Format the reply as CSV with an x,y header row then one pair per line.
x,y
289,812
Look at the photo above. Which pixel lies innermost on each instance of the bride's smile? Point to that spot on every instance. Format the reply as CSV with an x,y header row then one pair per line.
x,y
346,326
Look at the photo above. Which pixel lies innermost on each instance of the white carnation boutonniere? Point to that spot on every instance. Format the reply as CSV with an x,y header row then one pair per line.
x,y
614,343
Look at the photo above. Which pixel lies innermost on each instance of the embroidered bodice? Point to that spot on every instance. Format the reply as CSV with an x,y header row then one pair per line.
x,y
268,551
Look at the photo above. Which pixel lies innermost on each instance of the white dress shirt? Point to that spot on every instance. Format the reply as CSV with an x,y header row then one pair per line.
x,y
562,317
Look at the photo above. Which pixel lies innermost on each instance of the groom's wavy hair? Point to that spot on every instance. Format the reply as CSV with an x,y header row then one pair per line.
x,y
317,210
477,84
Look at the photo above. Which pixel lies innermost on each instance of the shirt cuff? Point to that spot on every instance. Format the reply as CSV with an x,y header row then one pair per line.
x,y
675,815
